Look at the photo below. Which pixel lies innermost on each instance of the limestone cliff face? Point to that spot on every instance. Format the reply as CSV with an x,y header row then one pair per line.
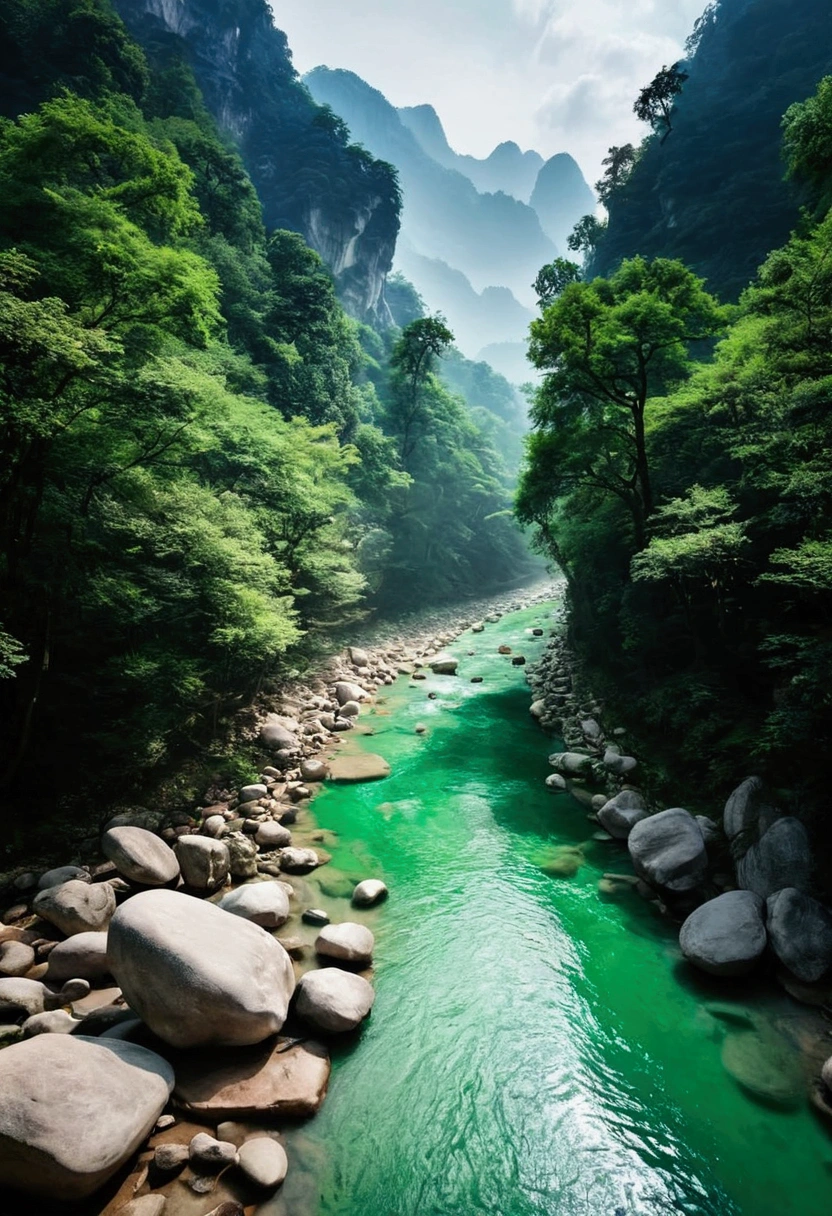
x,y
309,177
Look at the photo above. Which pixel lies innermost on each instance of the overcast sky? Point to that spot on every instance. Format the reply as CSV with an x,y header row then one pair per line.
x,y
556,75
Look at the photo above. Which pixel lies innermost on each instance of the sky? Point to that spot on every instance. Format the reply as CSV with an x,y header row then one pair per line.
x,y
555,75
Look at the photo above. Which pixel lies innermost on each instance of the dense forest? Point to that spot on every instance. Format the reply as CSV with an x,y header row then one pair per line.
x,y
679,472
207,464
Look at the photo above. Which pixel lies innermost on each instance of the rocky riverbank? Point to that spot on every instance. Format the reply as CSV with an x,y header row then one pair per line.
x,y
173,990
740,884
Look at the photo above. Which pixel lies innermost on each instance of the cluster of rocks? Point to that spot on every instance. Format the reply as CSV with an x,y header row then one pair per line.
x,y
741,883
147,984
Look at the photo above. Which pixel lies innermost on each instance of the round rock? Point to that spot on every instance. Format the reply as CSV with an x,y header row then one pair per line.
x,y
668,850
272,835
725,936
77,907
264,903
620,814
800,929
16,958
370,891
264,1162
84,956
313,770
140,856
196,974
334,1000
350,942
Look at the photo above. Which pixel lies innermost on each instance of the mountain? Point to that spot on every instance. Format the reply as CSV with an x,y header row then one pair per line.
x,y
476,318
560,197
713,194
308,176
493,239
507,168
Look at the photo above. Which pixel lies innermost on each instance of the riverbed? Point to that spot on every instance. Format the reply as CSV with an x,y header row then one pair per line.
x,y
535,1049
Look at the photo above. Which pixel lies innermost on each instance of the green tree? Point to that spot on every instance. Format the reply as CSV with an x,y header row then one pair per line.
x,y
586,235
656,101
413,359
553,279
619,163
807,144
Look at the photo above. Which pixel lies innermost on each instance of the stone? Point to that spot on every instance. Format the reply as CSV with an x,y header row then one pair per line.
x,y
264,903
84,956
277,737
370,891
444,665
56,878
271,835
620,814
350,709
207,1154
537,709
51,1021
299,861
334,1000
345,692
800,930
348,941
169,1158
315,916
358,657
668,851
283,1078
19,995
253,793
781,858
77,907
313,770
26,881
204,862
214,826
519,660
710,830
620,766
196,974
555,782
363,766
571,764
140,856
765,1065
16,958
264,1162
59,1084
725,936
242,856
742,808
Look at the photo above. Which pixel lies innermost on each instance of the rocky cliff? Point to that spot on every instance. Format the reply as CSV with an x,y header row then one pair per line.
x,y
308,175
713,193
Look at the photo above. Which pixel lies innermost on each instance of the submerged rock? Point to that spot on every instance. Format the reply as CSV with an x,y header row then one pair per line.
x,y
196,974
765,1066
283,1078
725,936
75,1110
363,766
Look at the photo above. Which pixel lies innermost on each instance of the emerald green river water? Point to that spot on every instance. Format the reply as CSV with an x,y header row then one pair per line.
x,y
535,1050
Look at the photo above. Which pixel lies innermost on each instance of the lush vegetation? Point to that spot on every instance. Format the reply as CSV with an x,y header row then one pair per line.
x,y
699,551
205,464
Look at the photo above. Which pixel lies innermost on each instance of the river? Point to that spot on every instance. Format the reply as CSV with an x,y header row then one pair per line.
x,y
535,1049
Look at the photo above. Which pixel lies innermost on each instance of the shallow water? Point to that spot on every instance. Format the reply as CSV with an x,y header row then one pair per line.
x,y
535,1050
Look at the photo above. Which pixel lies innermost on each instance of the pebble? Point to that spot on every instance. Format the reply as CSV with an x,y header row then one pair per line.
x,y
314,916
210,1154
264,1162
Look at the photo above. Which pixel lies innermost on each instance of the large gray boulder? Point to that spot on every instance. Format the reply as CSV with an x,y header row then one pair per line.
x,y
800,930
725,936
345,691
62,874
742,808
77,907
444,665
334,1000
781,858
204,862
668,851
348,942
140,856
83,956
276,736
74,1110
621,814
571,764
263,903
196,974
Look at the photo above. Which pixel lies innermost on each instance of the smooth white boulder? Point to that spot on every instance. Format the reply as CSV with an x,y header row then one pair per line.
x,y
334,1000
350,942
76,906
140,856
263,903
370,891
197,975
74,1110
204,862
345,691
271,835
264,1162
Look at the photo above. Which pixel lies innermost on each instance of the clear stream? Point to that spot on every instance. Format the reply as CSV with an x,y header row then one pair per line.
x,y
535,1049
